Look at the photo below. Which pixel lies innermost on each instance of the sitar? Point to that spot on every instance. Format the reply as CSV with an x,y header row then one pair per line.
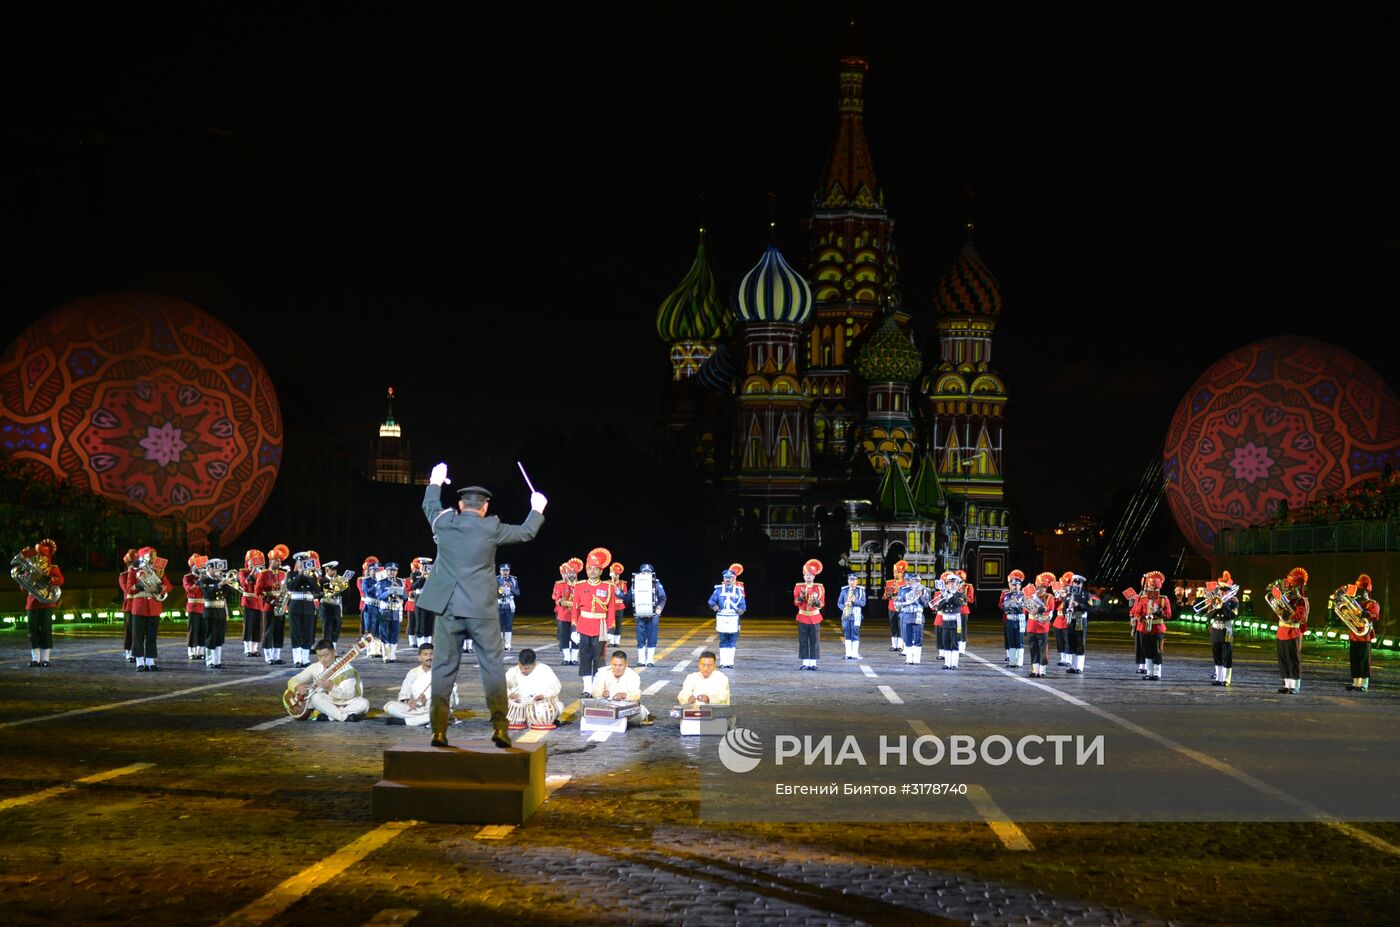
x,y
298,704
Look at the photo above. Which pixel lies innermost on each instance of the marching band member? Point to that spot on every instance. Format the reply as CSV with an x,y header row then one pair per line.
x,y
424,617
507,590
253,566
948,602
1151,610
1040,612
145,607
1291,630
369,605
648,598
194,607
1076,614
851,600
1360,644
272,583
303,588
392,593
1222,629
563,597
533,690
618,682
1061,624
338,698
127,560
596,601
411,707
892,587
619,587
810,597
330,606
910,602
39,614
1013,606
410,606
214,585
728,603
969,594
707,686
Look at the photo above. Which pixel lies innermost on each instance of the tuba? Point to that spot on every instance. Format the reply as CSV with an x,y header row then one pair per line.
x,y
1279,601
149,579
1349,610
30,569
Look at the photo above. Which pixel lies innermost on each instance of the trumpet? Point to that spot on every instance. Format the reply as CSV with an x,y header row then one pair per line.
x,y
1347,606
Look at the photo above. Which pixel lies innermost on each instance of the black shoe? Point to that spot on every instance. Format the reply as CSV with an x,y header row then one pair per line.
x,y
218,666
1142,672
439,740
44,663
354,717
500,736
155,668
1216,682
1351,688
131,659
143,668
37,663
390,719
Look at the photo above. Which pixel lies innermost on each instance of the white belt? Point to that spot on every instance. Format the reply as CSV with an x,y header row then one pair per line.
x,y
215,603
728,613
594,614
330,600
303,597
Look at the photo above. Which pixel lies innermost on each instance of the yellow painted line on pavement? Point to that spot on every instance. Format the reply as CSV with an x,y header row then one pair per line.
x,y
314,876
61,789
495,832
137,701
392,917
1011,836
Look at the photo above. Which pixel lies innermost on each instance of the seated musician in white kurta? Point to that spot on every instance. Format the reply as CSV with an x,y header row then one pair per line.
x,y
412,704
340,697
619,683
707,687
533,693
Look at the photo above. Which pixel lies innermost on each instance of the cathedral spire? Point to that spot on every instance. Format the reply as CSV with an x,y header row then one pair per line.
x,y
849,180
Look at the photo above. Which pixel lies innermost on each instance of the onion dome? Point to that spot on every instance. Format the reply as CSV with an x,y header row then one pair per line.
x,y
888,355
694,311
968,288
773,292
717,374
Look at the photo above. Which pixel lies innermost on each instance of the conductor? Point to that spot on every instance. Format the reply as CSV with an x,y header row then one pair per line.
x,y
461,590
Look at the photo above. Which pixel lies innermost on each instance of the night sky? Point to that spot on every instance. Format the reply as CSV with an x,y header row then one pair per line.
x,y
485,212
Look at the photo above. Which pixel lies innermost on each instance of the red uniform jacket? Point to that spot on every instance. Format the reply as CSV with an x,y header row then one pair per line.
x,y
55,579
562,612
801,595
194,595
269,583
1146,624
248,582
124,582
1041,626
1373,611
144,604
594,606
892,590
1300,615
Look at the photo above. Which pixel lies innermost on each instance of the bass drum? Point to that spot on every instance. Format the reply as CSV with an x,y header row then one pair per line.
x,y
643,595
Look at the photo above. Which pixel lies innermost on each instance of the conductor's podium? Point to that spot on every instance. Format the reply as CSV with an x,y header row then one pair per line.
x,y
475,782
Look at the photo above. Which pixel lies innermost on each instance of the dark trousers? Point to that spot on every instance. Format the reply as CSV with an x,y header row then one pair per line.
x,y
591,652
809,644
913,633
143,635
274,628
1222,649
426,621
410,615
646,632
252,625
896,626
330,622
449,634
126,631
195,637
1152,647
1074,638
507,617
369,620
1139,645
215,625
1038,645
1012,635
1061,640
565,634
1288,662
389,627
1360,659
40,628
303,628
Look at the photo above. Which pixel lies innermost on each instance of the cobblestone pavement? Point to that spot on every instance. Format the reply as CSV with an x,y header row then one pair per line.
x,y
232,806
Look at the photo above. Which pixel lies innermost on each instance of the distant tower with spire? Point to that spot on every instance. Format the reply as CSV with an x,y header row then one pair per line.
x,y
852,266
964,405
389,458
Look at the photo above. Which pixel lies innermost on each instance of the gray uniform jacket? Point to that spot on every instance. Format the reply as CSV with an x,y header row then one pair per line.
x,y
464,571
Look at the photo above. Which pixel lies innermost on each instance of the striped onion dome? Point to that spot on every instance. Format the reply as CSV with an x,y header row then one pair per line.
x,y
694,311
773,292
718,372
968,288
888,355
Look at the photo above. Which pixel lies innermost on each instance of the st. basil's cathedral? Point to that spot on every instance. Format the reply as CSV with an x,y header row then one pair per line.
x,y
805,392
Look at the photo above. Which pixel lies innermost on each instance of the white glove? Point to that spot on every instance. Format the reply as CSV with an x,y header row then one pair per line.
x,y
538,502
574,637
439,475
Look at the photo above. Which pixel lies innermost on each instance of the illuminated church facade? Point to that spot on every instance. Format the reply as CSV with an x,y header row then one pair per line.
x,y
805,395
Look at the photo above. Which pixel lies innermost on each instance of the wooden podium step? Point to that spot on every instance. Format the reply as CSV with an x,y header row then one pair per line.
x,y
475,782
